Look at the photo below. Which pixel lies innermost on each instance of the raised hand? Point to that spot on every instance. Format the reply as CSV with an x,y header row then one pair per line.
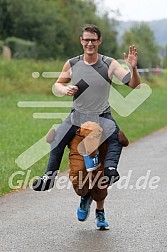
x,y
132,56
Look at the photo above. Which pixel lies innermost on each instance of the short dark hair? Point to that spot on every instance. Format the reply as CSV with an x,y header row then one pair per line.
x,y
92,29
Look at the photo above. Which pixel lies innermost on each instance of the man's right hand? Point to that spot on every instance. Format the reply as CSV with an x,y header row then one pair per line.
x,y
70,90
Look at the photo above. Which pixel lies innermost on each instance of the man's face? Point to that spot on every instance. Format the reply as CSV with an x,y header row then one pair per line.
x,y
90,42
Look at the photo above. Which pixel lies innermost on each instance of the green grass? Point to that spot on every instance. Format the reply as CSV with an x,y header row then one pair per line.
x,y
16,76
148,117
19,130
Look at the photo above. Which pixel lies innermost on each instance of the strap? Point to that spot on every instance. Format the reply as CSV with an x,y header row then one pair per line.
x,y
107,60
74,60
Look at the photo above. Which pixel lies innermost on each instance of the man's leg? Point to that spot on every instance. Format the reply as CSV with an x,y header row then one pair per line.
x,y
84,207
101,222
100,205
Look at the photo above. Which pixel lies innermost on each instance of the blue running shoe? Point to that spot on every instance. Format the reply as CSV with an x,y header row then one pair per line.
x,y
101,223
84,208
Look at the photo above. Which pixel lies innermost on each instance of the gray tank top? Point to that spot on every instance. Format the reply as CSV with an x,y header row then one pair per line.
x,y
93,84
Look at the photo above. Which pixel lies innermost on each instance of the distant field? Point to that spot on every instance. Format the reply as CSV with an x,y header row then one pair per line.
x,y
19,130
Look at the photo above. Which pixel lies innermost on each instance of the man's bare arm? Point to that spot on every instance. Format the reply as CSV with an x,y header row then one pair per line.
x,y
132,59
61,86
130,78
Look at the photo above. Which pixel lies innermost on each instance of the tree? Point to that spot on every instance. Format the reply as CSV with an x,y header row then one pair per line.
x,y
143,38
54,25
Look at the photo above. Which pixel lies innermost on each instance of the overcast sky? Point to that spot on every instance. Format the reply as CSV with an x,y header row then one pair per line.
x,y
138,10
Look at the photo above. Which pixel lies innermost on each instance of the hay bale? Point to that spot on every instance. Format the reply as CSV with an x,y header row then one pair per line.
x,y
6,53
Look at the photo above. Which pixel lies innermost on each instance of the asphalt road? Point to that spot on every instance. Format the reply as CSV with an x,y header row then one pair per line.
x,y
136,209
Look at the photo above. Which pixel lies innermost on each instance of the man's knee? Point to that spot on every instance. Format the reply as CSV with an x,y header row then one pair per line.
x,y
81,192
97,194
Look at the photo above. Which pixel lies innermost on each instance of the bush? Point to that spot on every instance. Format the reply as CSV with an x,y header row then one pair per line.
x,y
21,48
1,46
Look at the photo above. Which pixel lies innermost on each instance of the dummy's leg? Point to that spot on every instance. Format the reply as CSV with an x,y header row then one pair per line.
x,y
63,136
114,148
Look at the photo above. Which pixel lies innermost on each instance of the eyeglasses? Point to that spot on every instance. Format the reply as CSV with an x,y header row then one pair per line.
x,y
93,41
